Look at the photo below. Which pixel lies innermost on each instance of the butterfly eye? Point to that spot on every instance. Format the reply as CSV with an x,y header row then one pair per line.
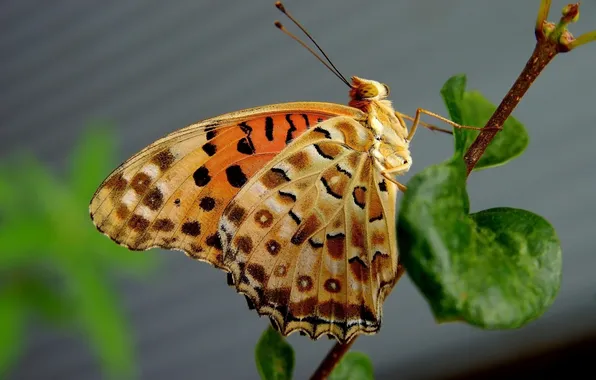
x,y
387,91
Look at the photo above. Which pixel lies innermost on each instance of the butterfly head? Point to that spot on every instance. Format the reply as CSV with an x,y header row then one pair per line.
x,y
364,90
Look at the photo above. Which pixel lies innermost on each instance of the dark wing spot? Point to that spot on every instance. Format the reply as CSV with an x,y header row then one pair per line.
x,y
329,189
177,201
244,244
289,135
359,195
201,176
236,214
359,269
154,199
281,270
383,186
264,218
207,203
321,153
230,278
191,228
194,249
332,285
323,131
274,177
278,297
273,247
336,245
304,283
164,224
299,237
344,171
163,159
257,272
235,176
211,132
122,211
214,241
290,196
315,244
245,127
269,128
306,121
306,229
379,254
138,223
282,173
294,217
357,260
117,182
375,218
245,146
140,182
210,149
328,150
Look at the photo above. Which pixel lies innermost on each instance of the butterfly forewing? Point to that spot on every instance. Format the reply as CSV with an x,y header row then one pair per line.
x,y
172,193
308,239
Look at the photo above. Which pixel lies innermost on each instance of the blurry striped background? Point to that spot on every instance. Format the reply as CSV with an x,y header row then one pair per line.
x,y
153,66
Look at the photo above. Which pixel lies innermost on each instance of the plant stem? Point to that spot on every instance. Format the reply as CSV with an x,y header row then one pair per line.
x,y
551,39
544,52
331,360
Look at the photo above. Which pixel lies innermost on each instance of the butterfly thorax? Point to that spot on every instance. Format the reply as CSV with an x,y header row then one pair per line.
x,y
391,147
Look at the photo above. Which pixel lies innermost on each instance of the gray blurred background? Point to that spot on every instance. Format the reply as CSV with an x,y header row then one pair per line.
x,y
153,66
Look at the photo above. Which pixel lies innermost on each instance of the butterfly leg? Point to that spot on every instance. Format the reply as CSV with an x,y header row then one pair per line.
x,y
420,111
387,174
402,116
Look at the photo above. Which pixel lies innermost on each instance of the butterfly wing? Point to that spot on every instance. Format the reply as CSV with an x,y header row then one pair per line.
x,y
310,239
172,193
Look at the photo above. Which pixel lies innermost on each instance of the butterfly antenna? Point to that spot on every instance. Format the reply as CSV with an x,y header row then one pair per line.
x,y
330,64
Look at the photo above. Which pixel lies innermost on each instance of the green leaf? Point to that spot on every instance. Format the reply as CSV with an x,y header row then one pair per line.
x,y
353,366
45,300
48,239
12,329
496,269
274,356
453,95
471,108
103,322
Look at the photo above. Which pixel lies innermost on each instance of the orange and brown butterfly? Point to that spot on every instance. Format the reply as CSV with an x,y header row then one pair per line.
x,y
296,201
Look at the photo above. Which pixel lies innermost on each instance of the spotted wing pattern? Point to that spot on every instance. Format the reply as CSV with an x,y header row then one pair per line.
x,y
310,239
172,193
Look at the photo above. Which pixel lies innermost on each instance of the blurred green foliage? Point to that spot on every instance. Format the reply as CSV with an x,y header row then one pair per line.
x,y
55,267
274,356
353,366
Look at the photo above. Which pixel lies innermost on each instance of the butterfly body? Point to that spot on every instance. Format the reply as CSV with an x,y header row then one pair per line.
x,y
295,201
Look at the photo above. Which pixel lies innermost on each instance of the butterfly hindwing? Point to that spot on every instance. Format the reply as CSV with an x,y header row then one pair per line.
x,y
309,240
172,193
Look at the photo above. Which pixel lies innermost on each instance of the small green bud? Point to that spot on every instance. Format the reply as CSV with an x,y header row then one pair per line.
x,y
570,13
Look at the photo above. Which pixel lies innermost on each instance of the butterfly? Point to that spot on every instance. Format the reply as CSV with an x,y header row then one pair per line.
x,y
295,201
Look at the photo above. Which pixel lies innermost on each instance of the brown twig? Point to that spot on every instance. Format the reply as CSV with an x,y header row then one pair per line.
x,y
551,39
331,360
